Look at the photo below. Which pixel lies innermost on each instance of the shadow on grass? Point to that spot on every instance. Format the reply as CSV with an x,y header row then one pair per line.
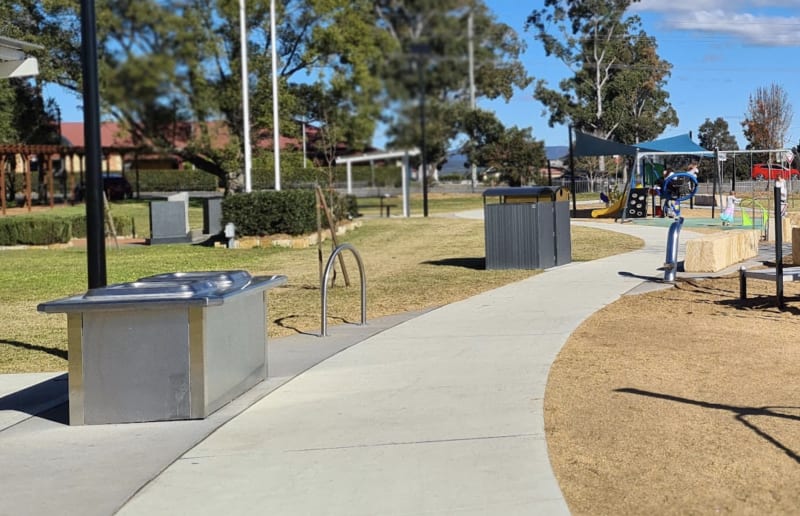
x,y
60,353
740,414
478,264
654,279
281,321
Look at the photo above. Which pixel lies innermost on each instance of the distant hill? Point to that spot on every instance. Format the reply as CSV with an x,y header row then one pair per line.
x,y
556,152
456,161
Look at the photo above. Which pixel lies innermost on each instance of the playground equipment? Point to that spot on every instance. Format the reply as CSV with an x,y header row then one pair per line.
x,y
613,210
749,220
678,187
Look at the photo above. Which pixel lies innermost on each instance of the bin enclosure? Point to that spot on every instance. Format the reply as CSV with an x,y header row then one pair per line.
x,y
166,347
527,227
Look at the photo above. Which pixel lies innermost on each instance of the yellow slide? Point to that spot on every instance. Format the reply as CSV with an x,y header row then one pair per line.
x,y
612,210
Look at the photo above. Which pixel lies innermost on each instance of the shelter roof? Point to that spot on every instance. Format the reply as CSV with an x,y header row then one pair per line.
x,y
676,144
14,61
588,145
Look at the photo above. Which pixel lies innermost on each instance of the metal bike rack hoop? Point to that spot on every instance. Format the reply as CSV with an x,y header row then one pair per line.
x,y
324,289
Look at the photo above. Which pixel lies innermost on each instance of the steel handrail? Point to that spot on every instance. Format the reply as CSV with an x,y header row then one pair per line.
x,y
324,289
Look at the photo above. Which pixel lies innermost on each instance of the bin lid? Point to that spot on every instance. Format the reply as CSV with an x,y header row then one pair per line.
x,y
548,192
204,288
223,279
151,289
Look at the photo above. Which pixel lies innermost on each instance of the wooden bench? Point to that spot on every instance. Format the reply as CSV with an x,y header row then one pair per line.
x,y
384,204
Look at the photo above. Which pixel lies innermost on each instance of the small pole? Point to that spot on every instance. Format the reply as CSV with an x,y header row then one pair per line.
x,y
572,169
778,248
742,283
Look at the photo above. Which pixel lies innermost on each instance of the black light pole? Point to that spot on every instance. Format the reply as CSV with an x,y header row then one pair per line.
x,y
95,237
572,170
422,150
61,155
422,49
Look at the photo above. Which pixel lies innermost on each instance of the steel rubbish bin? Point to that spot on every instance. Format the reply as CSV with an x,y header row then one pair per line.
x,y
526,227
166,347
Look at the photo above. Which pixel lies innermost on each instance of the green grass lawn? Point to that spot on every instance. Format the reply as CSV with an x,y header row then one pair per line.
x,y
443,254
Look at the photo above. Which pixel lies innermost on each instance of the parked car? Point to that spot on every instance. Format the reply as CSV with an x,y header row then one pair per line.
x,y
116,186
763,171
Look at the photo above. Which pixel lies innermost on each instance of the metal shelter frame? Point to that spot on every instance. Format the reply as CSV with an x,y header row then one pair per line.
x,y
14,61
716,156
375,156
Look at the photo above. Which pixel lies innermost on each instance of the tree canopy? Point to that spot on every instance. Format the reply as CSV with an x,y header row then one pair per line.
x,y
431,39
616,90
170,71
512,152
716,135
769,115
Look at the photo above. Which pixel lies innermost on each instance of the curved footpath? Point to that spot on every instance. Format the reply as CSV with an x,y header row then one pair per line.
x,y
439,414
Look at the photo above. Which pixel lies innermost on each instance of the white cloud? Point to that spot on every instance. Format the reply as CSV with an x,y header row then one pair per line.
x,y
757,30
679,6
730,17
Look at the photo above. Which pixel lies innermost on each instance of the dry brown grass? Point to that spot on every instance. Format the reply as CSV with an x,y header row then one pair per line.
x,y
410,265
682,401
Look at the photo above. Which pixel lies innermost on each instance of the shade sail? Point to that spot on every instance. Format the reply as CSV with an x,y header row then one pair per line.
x,y
675,144
588,145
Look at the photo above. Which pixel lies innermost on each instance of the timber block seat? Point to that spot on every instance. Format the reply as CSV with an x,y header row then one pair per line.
x,y
717,251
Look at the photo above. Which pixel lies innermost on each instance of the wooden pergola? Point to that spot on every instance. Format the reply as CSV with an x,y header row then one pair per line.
x,y
47,155
26,152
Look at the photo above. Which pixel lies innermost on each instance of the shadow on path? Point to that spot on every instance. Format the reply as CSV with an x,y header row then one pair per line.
x,y
47,399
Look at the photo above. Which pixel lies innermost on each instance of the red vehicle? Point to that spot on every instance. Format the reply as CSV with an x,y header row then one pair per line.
x,y
763,171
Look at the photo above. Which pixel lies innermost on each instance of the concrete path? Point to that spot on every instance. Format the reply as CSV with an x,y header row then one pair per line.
x,y
441,414
434,413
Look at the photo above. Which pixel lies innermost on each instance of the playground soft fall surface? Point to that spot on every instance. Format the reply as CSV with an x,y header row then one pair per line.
x,y
681,401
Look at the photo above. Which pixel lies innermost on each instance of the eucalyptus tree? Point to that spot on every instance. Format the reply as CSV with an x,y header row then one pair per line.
x,y
513,152
170,69
768,118
616,87
430,65
716,135
175,61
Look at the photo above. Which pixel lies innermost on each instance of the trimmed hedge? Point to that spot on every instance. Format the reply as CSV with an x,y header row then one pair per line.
x,y
149,181
24,230
291,212
38,230
125,226
173,180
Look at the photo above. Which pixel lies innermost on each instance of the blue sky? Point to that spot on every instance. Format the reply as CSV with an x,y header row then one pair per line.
x,y
721,52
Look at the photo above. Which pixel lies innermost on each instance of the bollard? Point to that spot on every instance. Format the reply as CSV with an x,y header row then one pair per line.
x,y
230,234
742,284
